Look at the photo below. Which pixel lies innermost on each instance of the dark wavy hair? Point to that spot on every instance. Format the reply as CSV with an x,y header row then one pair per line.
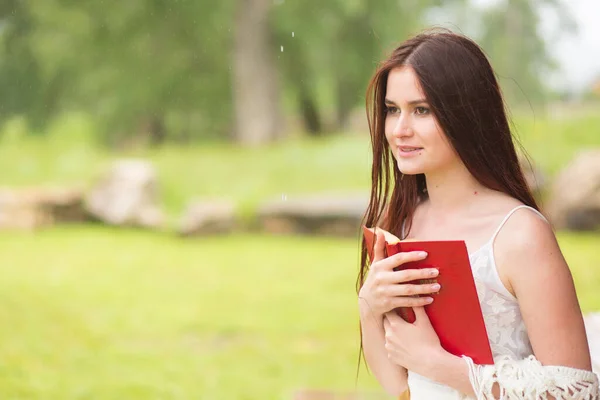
x,y
462,90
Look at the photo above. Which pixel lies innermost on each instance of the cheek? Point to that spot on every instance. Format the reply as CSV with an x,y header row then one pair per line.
x,y
388,127
434,137
427,132
445,146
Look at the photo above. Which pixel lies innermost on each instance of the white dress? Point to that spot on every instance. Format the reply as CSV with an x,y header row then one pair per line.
x,y
503,321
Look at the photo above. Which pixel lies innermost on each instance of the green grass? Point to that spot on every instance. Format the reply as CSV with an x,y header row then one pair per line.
x,y
98,313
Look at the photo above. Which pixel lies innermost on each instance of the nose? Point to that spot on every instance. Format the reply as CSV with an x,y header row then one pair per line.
x,y
402,126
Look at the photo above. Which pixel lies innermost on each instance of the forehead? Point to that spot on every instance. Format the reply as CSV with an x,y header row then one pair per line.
x,y
403,85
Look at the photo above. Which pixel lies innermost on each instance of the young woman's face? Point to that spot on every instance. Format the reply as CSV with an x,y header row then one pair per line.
x,y
417,142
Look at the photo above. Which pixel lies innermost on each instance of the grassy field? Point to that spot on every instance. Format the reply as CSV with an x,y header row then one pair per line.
x,y
96,313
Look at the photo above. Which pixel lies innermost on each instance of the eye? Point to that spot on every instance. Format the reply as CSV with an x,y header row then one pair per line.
x,y
421,110
392,110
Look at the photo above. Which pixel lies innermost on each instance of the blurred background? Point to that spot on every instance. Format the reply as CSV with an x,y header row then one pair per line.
x,y
182,182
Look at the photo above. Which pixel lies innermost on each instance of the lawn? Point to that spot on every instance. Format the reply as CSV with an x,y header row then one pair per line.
x,y
98,313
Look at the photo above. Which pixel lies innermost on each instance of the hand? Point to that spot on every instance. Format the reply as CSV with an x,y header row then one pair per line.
x,y
414,346
384,289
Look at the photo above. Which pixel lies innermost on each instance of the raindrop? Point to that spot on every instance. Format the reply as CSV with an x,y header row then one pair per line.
x,y
282,49
292,34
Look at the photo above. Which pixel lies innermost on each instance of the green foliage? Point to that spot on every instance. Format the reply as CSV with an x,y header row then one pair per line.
x,y
157,67
336,47
518,52
22,85
150,71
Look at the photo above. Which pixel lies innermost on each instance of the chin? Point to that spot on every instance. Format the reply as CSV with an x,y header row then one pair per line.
x,y
408,169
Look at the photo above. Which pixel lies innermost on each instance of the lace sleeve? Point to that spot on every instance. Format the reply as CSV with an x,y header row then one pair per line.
x,y
528,379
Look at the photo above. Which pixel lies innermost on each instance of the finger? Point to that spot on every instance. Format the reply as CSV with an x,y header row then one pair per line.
x,y
379,250
417,301
393,318
412,274
386,323
420,313
402,258
407,289
421,316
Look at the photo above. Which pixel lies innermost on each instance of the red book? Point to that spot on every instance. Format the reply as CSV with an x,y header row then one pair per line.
x,y
455,313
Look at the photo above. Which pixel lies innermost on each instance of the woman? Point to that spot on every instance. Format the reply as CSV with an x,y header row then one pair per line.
x,y
442,146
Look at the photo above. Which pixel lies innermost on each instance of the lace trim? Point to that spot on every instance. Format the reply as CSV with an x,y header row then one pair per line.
x,y
528,379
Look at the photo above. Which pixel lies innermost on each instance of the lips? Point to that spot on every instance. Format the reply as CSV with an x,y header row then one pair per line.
x,y
408,149
406,152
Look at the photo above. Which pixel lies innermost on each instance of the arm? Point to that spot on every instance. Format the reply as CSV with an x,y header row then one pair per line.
x,y
530,261
541,280
392,377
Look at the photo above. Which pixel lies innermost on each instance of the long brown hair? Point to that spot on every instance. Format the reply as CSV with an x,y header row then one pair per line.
x,y
461,88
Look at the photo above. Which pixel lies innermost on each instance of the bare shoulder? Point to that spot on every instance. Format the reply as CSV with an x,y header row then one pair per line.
x,y
526,245
493,206
527,253
525,238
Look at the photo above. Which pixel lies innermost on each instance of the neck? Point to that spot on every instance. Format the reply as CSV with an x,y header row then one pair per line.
x,y
452,190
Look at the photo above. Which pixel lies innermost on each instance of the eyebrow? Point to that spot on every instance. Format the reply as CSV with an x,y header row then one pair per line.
x,y
411,103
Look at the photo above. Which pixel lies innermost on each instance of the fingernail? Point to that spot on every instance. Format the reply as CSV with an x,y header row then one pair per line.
x,y
436,286
434,272
429,300
422,254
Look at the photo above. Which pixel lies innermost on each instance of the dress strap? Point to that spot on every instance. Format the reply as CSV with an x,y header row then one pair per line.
x,y
511,212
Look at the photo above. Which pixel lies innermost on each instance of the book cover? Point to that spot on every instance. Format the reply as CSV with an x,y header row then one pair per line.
x,y
455,313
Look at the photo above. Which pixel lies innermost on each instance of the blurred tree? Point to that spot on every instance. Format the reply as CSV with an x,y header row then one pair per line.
x,y
256,86
21,82
158,68
512,37
145,69
334,47
149,71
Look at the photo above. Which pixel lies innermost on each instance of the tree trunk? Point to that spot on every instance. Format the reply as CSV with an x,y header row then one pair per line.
x,y
346,100
310,112
255,87
151,130
157,131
